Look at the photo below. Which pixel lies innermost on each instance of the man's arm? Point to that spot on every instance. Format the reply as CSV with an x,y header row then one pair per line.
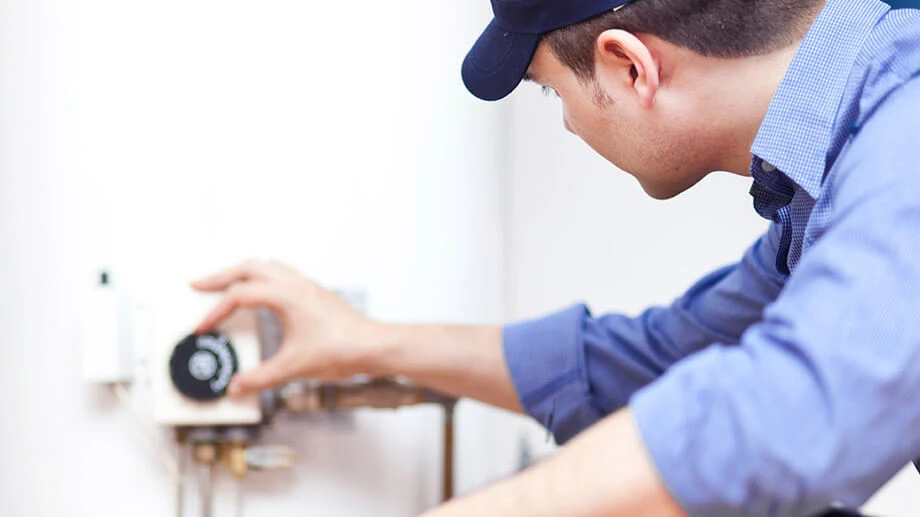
x,y
459,360
541,362
550,365
604,471
571,368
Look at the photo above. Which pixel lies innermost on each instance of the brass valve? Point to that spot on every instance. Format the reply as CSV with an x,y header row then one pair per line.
x,y
236,459
205,453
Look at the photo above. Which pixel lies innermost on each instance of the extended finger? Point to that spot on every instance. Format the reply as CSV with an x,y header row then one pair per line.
x,y
246,294
249,270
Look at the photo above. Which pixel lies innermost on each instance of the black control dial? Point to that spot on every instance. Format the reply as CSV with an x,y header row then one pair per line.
x,y
202,365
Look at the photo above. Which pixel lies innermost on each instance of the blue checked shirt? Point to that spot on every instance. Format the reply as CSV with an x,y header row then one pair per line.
x,y
791,379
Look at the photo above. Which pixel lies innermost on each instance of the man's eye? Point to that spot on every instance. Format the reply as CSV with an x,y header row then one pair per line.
x,y
548,91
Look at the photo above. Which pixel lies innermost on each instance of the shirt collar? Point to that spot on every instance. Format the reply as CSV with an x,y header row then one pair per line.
x,y
796,132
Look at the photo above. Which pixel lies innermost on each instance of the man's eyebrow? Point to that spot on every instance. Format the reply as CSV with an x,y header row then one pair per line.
x,y
528,77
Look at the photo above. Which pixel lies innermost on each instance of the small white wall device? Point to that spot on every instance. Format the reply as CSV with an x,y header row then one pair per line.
x,y
106,355
190,373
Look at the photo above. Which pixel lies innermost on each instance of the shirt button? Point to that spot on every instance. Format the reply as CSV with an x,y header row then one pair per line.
x,y
767,166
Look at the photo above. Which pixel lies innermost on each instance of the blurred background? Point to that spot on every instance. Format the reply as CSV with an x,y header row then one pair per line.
x,y
158,141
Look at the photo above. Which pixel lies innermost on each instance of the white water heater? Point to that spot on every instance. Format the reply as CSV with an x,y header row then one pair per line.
x,y
167,140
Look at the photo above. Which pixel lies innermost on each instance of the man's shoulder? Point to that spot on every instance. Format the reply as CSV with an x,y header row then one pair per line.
x,y
890,59
884,156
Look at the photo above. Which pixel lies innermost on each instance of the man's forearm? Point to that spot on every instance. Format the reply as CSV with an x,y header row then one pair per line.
x,y
459,360
606,471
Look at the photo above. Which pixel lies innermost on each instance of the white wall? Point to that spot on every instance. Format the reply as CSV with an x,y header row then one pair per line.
x,y
579,229
166,139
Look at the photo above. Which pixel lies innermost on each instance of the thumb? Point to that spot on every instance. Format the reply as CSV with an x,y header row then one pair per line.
x,y
276,370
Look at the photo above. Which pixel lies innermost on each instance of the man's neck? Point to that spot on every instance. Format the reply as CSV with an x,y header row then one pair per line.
x,y
748,87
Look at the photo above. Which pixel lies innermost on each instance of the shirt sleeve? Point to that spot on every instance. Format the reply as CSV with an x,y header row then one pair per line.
x,y
571,368
821,400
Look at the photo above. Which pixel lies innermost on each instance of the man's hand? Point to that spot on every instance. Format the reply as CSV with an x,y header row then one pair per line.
x,y
324,338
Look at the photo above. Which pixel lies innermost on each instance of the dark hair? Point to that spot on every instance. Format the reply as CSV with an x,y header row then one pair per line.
x,y
715,28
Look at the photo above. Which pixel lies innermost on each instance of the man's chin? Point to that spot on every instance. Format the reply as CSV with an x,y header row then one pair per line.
x,y
660,192
664,186
665,190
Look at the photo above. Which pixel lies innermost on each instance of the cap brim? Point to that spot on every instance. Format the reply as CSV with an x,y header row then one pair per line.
x,y
498,61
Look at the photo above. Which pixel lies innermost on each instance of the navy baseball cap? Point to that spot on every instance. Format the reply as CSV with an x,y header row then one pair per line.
x,y
500,58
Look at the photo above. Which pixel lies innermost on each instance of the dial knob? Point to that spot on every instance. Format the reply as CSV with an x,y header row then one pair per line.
x,y
202,365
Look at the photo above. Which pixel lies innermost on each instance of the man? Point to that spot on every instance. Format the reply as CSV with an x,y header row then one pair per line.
x,y
776,386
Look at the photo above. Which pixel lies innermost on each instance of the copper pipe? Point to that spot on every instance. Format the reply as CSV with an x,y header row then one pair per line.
x,y
380,394
182,442
206,455
447,476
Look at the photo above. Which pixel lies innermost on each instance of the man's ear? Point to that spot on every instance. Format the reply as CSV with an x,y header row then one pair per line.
x,y
621,57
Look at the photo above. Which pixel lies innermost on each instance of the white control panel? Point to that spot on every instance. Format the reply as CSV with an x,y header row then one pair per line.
x,y
203,363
